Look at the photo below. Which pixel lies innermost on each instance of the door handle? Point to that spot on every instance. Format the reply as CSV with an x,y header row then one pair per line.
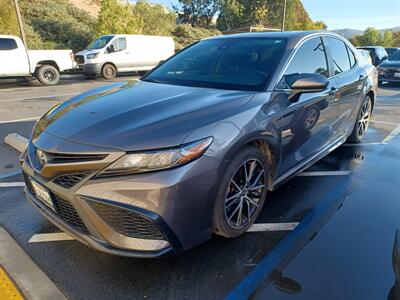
x,y
333,91
362,77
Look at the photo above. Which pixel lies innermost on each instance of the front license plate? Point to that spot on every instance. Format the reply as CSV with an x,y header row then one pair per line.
x,y
397,75
42,193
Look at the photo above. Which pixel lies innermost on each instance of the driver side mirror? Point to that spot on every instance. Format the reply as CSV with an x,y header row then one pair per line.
x,y
305,83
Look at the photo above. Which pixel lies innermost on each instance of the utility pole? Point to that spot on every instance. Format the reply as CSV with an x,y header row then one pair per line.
x,y
283,16
21,25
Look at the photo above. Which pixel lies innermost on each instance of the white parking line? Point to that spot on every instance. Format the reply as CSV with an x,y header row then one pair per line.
x,y
364,144
50,237
11,184
38,97
384,122
391,135
20,120
260,227
324,173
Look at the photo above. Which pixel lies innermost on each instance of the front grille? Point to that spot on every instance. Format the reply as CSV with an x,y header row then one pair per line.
x,y
80,59
58,158
68,213
69,180
63,209
127,222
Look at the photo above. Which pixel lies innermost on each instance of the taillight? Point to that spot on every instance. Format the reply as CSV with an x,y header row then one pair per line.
x,y
72,56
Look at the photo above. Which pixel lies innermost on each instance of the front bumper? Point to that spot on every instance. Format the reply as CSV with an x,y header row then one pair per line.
x,y
178,202
92,69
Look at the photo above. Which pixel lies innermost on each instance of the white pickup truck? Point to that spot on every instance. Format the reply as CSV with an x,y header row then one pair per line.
x,y
44,65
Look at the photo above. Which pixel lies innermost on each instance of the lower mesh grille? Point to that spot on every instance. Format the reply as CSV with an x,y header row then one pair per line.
x,y
68,213
63,209
127,222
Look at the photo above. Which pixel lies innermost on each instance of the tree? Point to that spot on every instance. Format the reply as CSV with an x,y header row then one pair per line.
x,y
231,11
197,12
388,39
154,18
371,36
116,17
8,18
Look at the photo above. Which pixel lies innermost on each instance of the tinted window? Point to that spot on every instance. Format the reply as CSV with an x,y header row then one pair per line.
x,y
340,57
8,44
310,58
351,57
395,56
227,63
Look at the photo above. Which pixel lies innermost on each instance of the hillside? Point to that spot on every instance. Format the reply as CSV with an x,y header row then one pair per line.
x,y
92,7
349,33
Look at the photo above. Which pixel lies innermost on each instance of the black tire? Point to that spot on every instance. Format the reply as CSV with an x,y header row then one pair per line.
x,y
363,119
33,81
48,75
109,71
223,215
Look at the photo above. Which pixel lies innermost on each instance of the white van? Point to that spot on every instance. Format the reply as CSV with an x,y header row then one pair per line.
x,y
110,54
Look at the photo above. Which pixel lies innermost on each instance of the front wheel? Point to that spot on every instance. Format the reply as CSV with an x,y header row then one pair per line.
x,y
362,123
48,75
109,71
241,194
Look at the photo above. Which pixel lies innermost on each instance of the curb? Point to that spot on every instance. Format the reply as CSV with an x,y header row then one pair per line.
x,y
16,141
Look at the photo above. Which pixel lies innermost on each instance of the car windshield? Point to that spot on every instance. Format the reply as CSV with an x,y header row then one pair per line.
x,y
395,56
100,43
226,63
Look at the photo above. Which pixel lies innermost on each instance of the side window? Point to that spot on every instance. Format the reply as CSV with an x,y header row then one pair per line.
x,y
119,44
352,57
340,57
309,58
7,44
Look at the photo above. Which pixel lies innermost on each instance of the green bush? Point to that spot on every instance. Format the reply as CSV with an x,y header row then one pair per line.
x,y
185,35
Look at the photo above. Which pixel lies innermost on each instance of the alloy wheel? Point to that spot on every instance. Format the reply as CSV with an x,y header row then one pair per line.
x,y
244,194
364,118
49,75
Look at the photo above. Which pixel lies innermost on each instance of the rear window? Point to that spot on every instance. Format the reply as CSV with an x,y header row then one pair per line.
x,y
7,44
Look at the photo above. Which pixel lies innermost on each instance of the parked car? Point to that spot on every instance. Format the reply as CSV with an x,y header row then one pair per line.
x,y
366,55
378,54
389,70
157,166
45,65
111,54
390,51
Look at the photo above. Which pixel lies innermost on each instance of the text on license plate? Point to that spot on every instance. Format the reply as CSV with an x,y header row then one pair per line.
x,y
42,194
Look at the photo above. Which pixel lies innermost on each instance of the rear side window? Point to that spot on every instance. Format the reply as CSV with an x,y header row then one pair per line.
x,y
340,57
351,57
7,44
309,58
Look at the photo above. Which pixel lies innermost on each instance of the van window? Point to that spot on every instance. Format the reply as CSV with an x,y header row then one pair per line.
x,y
8,44
117,45
100,43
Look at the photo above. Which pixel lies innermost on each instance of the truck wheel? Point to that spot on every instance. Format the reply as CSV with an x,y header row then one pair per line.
x,y
108,71
48,75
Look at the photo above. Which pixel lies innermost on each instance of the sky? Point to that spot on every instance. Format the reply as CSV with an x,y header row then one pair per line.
x,y
355,14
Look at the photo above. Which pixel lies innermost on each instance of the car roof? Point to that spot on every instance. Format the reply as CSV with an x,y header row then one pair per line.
x,y
292,35
369,47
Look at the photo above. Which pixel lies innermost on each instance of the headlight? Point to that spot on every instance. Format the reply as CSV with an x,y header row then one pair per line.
x,y
157,160
92,55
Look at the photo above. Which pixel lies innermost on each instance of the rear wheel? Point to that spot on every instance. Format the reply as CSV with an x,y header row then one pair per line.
x,y
48,75
109,71
241,194
362,123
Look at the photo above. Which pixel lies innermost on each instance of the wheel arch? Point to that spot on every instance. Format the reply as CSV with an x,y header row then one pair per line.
x,y
268,145
108,63
46,62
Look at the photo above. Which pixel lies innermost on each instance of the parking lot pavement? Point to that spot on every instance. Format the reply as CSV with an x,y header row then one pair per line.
x,y
326,234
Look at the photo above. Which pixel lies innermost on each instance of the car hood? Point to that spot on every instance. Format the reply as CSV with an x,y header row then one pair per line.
x,y
390,64
139,115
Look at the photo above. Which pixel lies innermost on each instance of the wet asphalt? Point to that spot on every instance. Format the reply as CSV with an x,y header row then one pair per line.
x,y
341,249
